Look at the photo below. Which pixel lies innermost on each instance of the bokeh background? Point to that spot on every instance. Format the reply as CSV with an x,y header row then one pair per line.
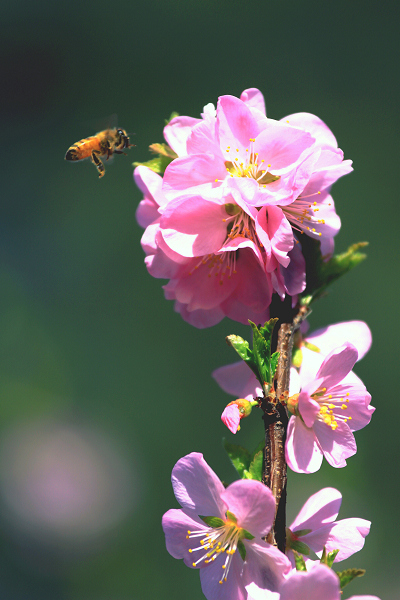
x,y
102,386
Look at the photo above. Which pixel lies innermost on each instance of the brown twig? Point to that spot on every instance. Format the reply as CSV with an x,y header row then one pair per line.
x,y
276,421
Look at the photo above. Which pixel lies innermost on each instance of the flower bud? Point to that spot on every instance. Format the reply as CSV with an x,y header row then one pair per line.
x,y
235,411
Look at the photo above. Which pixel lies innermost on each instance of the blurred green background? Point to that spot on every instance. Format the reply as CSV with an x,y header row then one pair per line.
x,y
103,387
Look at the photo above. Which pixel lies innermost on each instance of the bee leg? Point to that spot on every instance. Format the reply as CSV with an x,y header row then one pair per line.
x,y
108,150
98,164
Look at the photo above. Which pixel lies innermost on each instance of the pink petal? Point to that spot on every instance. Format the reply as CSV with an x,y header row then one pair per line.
x,y
231,417
197,487
192,226
265,567
314,125
347,536
195,173
203,138
308,408
282,146
336,445
232,588
303,454
176,523
237,379
321,508
236,125
177,132
254,99
355,332
321,583
358,411
253,505
150,183
200,318
275,233
337,365
146,212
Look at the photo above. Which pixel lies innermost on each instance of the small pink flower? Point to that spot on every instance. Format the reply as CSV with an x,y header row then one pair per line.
x,y
329,409
228,549
316,526
231,417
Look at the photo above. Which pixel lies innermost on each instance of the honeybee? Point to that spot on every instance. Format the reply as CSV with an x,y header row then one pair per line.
x,y
104,143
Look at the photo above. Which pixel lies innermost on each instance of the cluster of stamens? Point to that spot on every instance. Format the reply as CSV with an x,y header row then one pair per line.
x,y
301,212
251,166
218,540
330,407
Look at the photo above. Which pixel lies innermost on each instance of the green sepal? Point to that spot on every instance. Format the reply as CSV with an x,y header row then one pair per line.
x,y
299,547
172,116
247,535
256,465
231,516
242,549
300,562
320,274
328,558
213,521
239,456
301,532
297,357
348,575
311,347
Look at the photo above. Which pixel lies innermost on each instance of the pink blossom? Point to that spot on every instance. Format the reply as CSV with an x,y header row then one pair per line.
x,y
328,410
319,582
228,206
316,526
228,550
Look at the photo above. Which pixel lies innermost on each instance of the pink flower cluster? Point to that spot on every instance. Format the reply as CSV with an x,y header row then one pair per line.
x,y
226,542
329,401
223,224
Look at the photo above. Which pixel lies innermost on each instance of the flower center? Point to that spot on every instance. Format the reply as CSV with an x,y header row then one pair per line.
x,y
250,167
331,407
221,539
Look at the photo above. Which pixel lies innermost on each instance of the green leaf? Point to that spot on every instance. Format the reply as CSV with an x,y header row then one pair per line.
x,y
300,562
163,150
242,347
274,363
239,456
260,447
348,575
256,466
213,521
242,549
320,274
158,164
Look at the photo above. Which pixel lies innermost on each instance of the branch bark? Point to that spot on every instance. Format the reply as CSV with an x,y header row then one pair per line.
x,y
276,422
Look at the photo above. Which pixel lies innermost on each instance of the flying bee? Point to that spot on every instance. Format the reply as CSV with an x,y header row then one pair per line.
x,y
104,143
